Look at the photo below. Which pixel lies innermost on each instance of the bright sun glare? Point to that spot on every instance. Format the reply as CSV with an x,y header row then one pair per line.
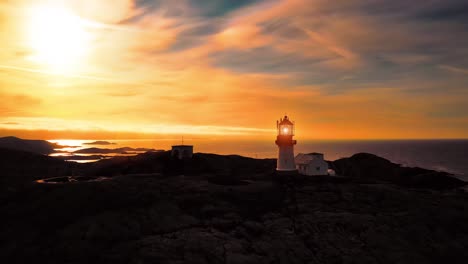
x,y
57,37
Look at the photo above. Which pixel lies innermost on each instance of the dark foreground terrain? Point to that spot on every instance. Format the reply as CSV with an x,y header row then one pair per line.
x,y
223,209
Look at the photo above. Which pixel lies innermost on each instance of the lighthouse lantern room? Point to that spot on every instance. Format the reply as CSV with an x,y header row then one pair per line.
x,y
285,143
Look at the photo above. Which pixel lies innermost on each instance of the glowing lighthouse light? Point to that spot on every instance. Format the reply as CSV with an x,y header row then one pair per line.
x,y
285,143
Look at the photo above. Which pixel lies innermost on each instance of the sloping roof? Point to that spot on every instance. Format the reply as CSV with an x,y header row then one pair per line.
x,y
302,158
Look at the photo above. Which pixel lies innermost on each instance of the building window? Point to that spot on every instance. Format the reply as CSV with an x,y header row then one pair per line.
x,y
318,168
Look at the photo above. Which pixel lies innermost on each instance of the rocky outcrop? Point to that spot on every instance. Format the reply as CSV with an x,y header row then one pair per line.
x,y
181,219
224,166
372,167
34,146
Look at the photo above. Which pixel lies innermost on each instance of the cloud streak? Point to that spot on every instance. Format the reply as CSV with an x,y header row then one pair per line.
x,y
343,69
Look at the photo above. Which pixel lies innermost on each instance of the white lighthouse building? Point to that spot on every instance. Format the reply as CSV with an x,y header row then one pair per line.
x,y
285,142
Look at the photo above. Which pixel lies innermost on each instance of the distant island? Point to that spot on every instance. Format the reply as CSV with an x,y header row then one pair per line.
x,y
124,150
46,148
100,142
155,208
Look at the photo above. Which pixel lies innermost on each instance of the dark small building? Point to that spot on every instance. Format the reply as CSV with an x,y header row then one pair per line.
x,y
182,151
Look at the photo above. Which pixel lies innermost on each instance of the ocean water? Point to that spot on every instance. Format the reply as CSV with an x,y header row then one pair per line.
x,y
442,155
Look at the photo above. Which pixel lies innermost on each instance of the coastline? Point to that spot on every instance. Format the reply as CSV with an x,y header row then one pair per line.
x,y
431,154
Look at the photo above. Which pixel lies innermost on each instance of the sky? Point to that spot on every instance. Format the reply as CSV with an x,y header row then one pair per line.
x,y
348,69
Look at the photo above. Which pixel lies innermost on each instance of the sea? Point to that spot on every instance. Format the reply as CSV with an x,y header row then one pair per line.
x,y
441,155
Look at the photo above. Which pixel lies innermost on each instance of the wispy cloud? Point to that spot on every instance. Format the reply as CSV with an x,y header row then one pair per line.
x,y
454,69
232,67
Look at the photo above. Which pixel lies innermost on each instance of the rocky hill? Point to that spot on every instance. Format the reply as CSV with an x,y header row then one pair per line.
x,y
372,167
35,146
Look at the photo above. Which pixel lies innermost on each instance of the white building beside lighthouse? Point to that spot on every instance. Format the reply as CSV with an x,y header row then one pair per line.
x,y
311,164
285,142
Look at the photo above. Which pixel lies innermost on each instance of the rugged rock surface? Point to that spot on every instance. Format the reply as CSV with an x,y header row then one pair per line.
x,y
225,209
182,219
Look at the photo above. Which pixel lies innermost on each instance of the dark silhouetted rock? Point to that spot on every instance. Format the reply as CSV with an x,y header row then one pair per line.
x,y
35,146
231,168
369,166
157,209
190,220
21,167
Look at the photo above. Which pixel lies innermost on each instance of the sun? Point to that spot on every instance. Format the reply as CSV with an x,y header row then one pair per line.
x,y
57,37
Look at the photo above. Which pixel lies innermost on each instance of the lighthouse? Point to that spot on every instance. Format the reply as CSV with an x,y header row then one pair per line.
x,y
285,142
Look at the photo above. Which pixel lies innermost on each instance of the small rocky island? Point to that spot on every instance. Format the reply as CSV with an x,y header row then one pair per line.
x,y
152,208
100,142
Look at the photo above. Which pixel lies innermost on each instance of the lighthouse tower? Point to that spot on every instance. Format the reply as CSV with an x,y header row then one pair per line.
x,y
285,143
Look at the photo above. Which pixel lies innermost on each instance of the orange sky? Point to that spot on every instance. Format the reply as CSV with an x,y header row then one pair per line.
x,y
123,68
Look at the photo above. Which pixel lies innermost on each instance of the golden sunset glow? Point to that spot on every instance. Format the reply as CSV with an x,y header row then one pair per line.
x,y
232,68
58,38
